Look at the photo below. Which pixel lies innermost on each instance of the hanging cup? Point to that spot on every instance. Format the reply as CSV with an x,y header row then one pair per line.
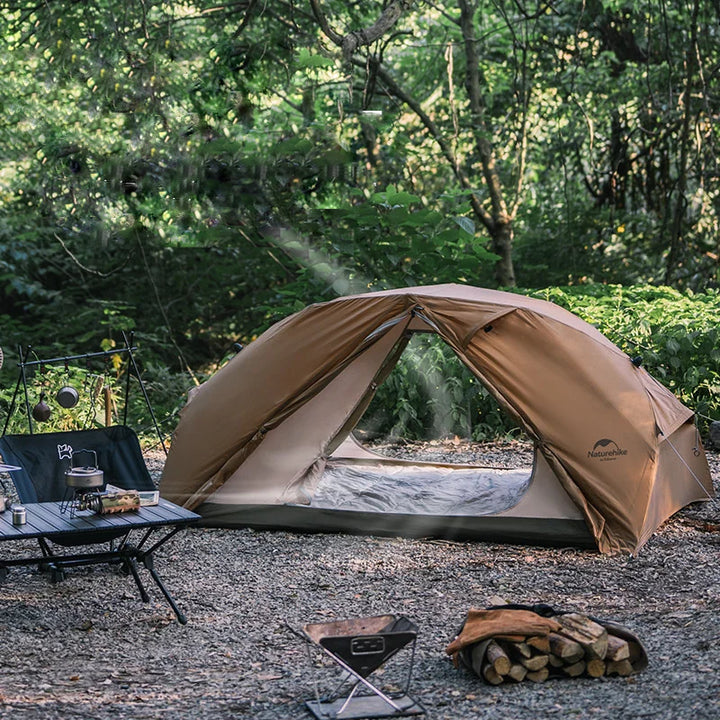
x,y
67,397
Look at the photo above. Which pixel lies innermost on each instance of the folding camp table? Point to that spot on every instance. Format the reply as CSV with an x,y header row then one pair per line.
x,y
360,646
46,521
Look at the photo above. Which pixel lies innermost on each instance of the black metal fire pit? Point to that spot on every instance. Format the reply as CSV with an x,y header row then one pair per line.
x,y
359,647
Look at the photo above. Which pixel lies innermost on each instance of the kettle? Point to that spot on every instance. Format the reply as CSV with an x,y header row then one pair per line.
x,y
84,477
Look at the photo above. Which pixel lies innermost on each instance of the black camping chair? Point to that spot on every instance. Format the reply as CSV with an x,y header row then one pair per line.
x,y
45,457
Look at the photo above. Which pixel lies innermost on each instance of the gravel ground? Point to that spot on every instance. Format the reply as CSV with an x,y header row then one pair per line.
x,y
88,647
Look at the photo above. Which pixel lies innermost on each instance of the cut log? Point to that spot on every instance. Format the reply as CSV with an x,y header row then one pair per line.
x,y
539,642
565,648
595,667
538,675
517,650
536,662
555,661
617,649
490,675
523,649
619,667
498,658
576,669
592,636
517,672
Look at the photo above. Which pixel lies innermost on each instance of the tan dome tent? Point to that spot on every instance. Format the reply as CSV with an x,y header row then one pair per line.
x,y
266,441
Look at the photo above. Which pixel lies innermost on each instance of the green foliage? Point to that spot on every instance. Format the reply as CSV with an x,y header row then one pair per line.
x,y
431,394
196,171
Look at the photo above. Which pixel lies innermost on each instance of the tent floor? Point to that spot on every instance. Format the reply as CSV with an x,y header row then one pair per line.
x,y
410,489
301,518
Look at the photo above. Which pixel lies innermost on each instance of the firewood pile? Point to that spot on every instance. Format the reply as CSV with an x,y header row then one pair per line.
x,y
580,647
565,645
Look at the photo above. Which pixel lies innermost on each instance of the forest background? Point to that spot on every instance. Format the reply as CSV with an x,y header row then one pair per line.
x,y
192,172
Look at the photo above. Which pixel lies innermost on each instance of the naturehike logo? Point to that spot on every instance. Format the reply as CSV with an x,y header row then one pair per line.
x,y
606,449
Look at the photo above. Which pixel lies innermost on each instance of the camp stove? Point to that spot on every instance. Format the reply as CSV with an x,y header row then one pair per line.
x,y
359,647
83,485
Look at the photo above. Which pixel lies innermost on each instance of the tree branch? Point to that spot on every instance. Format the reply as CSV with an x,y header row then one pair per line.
x,y
396,91
324,24
364,36
85,267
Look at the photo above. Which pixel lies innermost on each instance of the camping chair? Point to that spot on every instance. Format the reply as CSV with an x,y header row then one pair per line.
x,y
44,458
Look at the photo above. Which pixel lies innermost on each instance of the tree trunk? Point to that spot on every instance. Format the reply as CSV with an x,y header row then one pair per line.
x,y
495,216
502,245
498,220
676,251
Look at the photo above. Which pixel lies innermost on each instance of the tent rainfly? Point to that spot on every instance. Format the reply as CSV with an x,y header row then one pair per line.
x,y
267,442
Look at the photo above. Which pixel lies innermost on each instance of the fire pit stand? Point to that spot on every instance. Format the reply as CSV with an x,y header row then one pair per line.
x,y
359,647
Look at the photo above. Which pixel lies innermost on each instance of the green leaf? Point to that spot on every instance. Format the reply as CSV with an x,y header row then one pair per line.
x,y
292,146
466,224
306,59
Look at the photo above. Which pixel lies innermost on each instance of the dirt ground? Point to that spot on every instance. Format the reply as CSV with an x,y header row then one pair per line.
x,y
88,647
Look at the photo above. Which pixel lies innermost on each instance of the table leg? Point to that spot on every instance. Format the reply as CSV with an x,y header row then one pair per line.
x,y
131,565
150,565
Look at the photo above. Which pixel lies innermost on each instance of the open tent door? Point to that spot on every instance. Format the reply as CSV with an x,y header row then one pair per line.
x,y
452,497
350,488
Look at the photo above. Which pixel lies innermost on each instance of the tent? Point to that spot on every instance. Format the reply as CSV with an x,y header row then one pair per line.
x,y
267,442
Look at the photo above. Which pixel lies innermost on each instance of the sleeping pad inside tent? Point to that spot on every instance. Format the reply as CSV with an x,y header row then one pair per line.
x,y
267,441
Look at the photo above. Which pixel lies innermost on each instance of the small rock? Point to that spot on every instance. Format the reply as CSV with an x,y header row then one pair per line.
x,y
714,434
